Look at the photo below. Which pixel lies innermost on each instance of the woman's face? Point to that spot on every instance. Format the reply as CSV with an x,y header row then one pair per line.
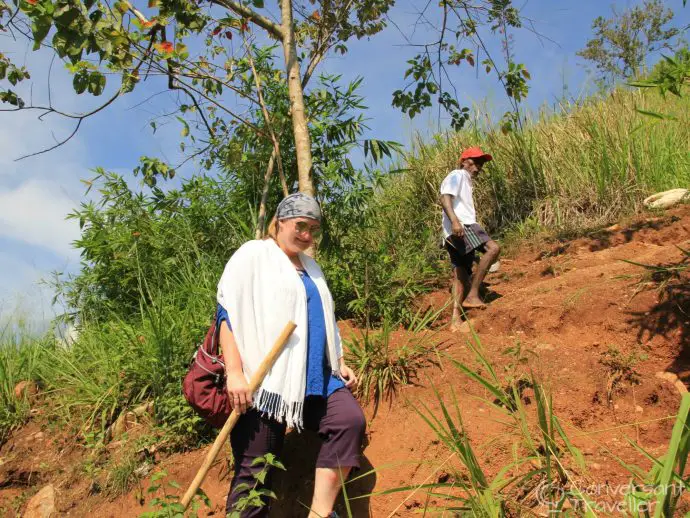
x,y
297,234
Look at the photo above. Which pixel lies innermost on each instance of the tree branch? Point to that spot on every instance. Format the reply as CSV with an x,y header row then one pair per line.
x,y
313,62
264,196
224,108
267,118
271,27
512,101
80,118
440,61
193,156
55,146
137,13
12,17
322,46
173,86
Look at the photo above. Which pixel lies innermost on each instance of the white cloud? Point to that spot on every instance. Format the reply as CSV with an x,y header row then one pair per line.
x,y
22,295
34,212
35,196
37,193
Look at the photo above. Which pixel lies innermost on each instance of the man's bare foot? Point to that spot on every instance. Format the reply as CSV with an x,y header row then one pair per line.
x,y
473,302
460,327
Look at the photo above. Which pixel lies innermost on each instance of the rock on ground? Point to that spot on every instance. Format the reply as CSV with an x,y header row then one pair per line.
x,y
42,504
666,199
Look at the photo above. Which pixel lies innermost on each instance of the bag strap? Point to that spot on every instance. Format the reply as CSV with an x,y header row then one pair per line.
x,y
214,359
216,339
211,343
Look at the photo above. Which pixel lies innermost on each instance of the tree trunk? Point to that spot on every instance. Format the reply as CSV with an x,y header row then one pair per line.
x,y
259,232
264,198
299,119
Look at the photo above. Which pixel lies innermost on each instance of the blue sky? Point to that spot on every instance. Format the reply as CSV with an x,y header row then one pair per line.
x,y
37,193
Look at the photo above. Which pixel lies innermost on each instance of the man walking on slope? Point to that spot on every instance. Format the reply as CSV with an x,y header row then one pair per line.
x,y
463,235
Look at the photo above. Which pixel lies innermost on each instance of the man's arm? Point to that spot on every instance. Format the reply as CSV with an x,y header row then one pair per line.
x,y
455,223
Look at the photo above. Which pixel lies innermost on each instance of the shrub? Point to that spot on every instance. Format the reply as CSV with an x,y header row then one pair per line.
x,y
117,363
19,353
383,366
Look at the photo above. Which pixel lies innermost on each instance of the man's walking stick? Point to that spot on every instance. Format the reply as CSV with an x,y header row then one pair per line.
x,y
254,384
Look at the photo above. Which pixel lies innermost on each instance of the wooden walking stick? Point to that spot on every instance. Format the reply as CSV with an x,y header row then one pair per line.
x,y
254,385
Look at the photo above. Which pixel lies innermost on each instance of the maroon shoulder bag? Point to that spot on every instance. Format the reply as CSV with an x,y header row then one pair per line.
x,y
204,384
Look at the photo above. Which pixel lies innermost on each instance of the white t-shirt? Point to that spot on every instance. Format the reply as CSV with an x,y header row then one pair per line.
x,y
458,184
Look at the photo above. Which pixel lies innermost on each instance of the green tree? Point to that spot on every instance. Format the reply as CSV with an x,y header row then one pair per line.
x,y
135,241
623,43
671,73
462,41
190,45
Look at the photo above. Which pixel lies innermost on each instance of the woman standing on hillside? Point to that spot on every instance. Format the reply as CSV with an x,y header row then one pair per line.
x,y
265,284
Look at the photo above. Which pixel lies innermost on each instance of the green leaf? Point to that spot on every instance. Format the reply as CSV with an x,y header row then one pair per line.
x,y
241,487
158,475
258,461
12,98
61,44
80,81
182,51
65,15
677,453
643,84
40,28
185,127
129,81
96,83
653,114
121,6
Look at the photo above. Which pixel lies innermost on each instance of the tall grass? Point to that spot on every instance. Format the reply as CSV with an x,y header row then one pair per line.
x,y
542,477
116,363
19,353
544,450
587,165
565,173
536,481
383,366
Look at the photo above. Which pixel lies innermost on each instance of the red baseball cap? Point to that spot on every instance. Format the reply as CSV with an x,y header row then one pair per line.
x,y
475,152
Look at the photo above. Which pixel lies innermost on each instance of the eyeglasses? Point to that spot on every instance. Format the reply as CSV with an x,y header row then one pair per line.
x,y
302,227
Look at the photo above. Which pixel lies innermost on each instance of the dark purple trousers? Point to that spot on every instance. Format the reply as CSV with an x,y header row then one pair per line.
x,y
338,420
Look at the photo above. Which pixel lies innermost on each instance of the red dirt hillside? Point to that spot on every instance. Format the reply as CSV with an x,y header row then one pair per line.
x,y
573,309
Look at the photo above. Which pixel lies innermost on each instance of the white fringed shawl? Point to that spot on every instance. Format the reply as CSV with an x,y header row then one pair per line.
x,y
261,291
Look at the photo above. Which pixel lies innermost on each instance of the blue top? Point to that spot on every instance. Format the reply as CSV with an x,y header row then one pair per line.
x,y
320,380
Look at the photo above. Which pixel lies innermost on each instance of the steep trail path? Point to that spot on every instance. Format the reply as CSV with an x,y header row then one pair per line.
x,y
567,307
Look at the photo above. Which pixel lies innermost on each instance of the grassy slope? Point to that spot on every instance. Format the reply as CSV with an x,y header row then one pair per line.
x,y
563,173
586,167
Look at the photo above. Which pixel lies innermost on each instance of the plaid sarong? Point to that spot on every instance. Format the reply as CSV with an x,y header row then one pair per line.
x,y
475,237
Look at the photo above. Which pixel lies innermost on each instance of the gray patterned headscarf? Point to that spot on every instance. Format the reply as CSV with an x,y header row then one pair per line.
x,y
298,205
